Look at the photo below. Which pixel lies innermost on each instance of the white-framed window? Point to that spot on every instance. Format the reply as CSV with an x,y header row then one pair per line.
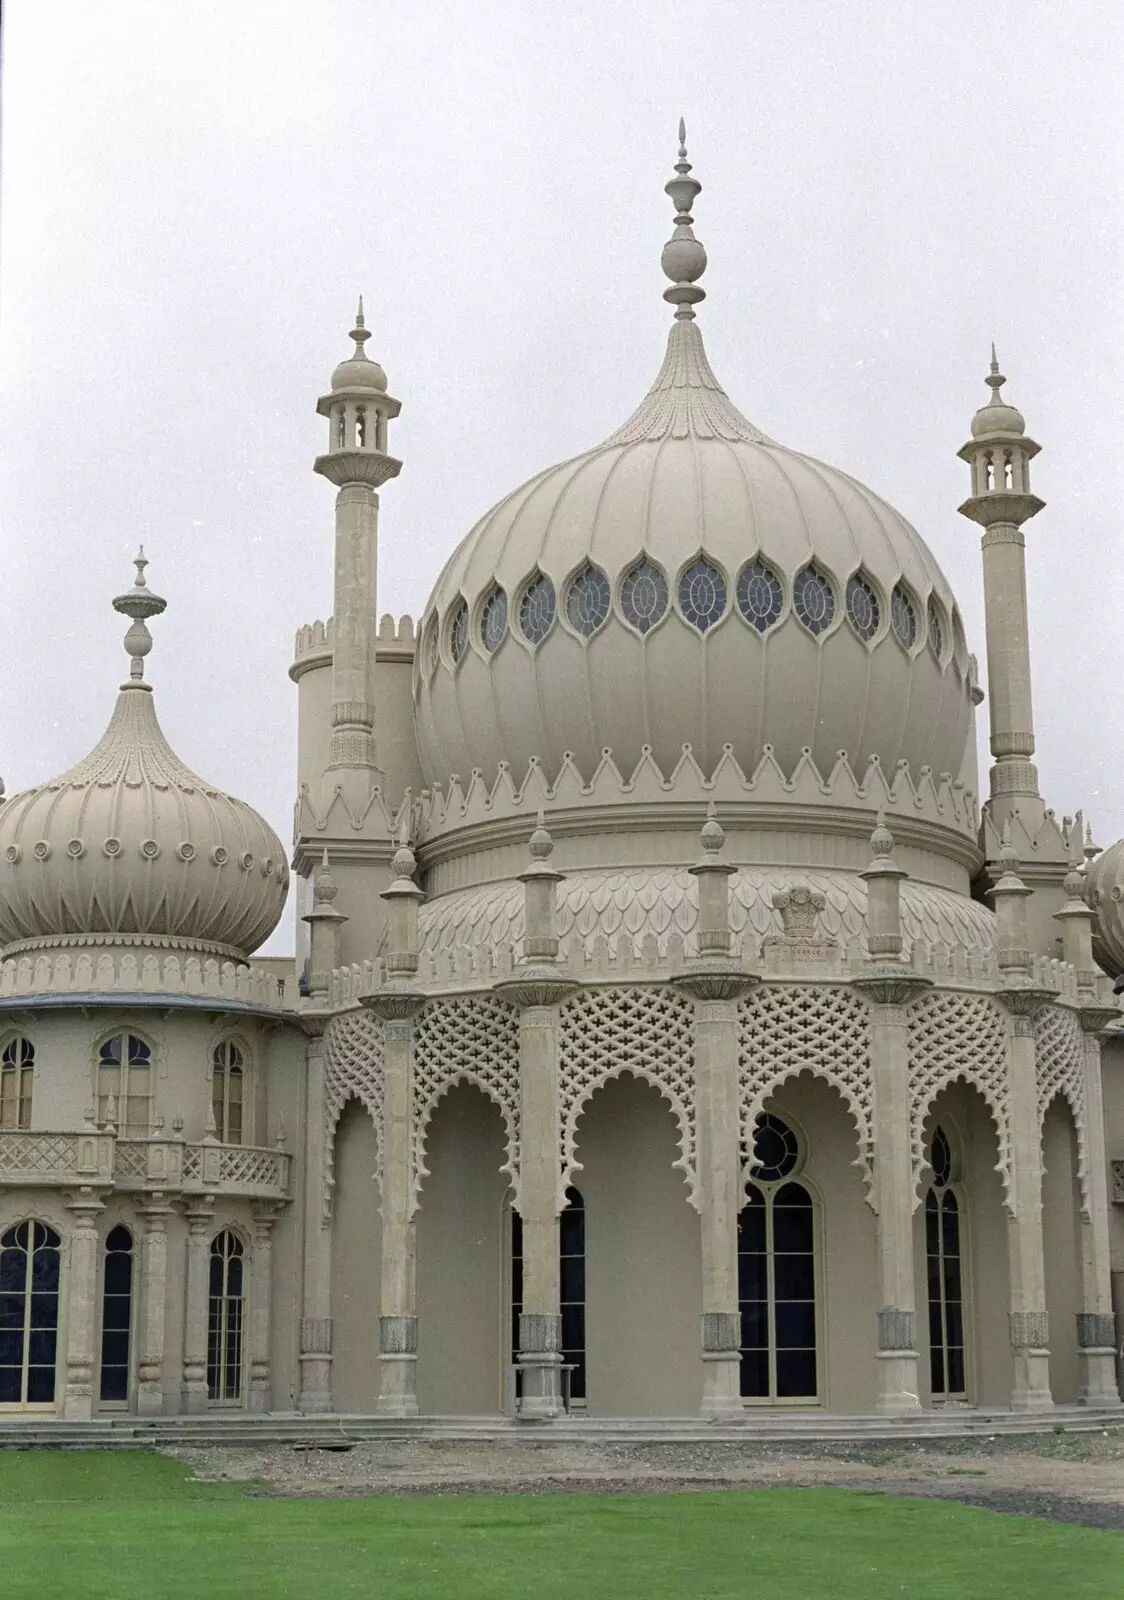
x,y
229,1092
226,1318
944,1259
17,1075
125,1084
777,1272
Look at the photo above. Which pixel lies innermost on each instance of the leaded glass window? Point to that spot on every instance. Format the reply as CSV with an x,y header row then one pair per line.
x,y
903,615
17,1075
944,1250
458,632
116,1315
588,601
537,609
775,1150
493,620
936,628
813,599
226,1318
228,1091
644,595
702,594
863,611
125,1085
29,1314
759,595
777,1293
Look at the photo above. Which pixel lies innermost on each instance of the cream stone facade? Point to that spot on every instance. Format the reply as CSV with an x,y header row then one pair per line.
x,y
673,1028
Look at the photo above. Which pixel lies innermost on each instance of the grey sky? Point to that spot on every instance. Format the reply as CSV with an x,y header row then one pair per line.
x,y
193,196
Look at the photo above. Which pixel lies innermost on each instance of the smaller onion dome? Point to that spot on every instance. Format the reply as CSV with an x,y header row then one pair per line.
x,y
997,416
130,846
359,371
1105,895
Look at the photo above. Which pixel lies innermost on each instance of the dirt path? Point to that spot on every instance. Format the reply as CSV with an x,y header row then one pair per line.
x,y
1070,1477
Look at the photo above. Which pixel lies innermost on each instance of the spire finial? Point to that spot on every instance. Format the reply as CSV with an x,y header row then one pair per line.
x,y
995,379
684,258
139,603
360,333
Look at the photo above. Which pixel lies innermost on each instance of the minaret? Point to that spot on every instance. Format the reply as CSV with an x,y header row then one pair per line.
x,y
358,410
999,455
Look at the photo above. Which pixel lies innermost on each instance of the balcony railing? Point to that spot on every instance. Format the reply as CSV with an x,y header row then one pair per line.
x,y
98,1158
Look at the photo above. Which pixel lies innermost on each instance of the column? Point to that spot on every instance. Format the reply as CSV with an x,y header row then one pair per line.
x,y
81,1309
195,1310
1096,1324
891,987
261,1312
316,1306
1028,1323
538,989
153,1297
398,1003
716,982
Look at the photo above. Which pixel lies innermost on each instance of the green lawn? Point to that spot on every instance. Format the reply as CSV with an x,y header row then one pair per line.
x,y
119,1526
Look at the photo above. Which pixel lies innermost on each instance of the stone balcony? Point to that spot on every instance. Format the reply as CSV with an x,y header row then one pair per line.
x,y
100,1159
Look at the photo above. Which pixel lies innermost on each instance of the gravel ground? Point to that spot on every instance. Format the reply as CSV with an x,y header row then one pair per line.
x,y
1070,1477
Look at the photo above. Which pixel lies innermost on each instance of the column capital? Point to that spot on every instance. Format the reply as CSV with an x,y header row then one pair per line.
x,y
395,1001
1097,1016
85,1203
1024,1000
535,987
890,984
715,980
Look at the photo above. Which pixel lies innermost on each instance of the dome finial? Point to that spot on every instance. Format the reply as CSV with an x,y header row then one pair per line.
x,y
684,258
140,603
995,379
360,333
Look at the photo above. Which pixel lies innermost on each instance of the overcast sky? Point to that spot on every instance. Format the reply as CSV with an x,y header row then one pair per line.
x,y
193,196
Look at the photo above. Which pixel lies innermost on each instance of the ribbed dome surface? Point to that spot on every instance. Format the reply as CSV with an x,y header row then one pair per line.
x,y
688,479
131,842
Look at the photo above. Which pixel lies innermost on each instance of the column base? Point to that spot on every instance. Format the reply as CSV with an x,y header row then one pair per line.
x,y
1030,1381
897,1384
398,1384
150,1397
78,1401
1098,1377
261,1392
195,1398
540,1366
722,1386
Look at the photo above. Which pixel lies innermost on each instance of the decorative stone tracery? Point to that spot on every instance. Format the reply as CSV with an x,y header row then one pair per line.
x,y
1059,1058
958,1037
353,1068
471,1039
648,1032
786,1029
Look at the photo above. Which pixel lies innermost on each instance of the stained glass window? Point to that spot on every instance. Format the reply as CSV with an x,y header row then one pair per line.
x,y
458,632
588,601
493,620
936,629
903,616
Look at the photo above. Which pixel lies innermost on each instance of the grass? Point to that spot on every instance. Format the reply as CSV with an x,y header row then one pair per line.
x,y
122,1525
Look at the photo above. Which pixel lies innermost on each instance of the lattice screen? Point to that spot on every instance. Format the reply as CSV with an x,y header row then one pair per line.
x,y
353,1066
1059,1059
474,1039
646,1031
958,1037
787,1029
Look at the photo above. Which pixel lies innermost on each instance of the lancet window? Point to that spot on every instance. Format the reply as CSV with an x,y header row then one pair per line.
x,y
588,601
228,1092
116,1315
226,1318
537,609
759,595
702,594
644,595
571,1277
813,599
777,1272
903,615
944,1255
863,611
17,1075
125,1084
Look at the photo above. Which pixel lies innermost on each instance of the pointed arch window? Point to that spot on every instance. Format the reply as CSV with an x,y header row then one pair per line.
x,y
17,1075
777,1272
760,596
588,601
30,1263
644,595
702,594
903,615
125,1084
116,1316
228,1092
944,1250
813,599
537,609
935,627
226,1318
863,611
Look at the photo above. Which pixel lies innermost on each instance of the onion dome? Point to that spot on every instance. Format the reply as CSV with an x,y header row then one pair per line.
x,y
691,581
130,847
359,371
997,416
1104,892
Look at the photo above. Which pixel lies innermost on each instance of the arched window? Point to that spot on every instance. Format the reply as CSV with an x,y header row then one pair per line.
x,y
116,1315
571,1263
125,1085
226,1318
944,1259
777,1272
17,1073
228,1091
29,1314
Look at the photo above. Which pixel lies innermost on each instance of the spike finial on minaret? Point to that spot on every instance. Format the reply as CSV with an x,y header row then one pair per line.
x,y
139,603
360,333
684,258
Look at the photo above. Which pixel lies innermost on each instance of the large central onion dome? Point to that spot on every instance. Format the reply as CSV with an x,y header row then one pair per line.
x,y
130,847
690,581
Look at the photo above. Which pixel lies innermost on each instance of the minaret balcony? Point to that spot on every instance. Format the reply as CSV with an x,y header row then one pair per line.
x,y
372,467
1001,505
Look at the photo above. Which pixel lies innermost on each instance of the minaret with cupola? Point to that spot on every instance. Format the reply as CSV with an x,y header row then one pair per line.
x,y
358,410
999,455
